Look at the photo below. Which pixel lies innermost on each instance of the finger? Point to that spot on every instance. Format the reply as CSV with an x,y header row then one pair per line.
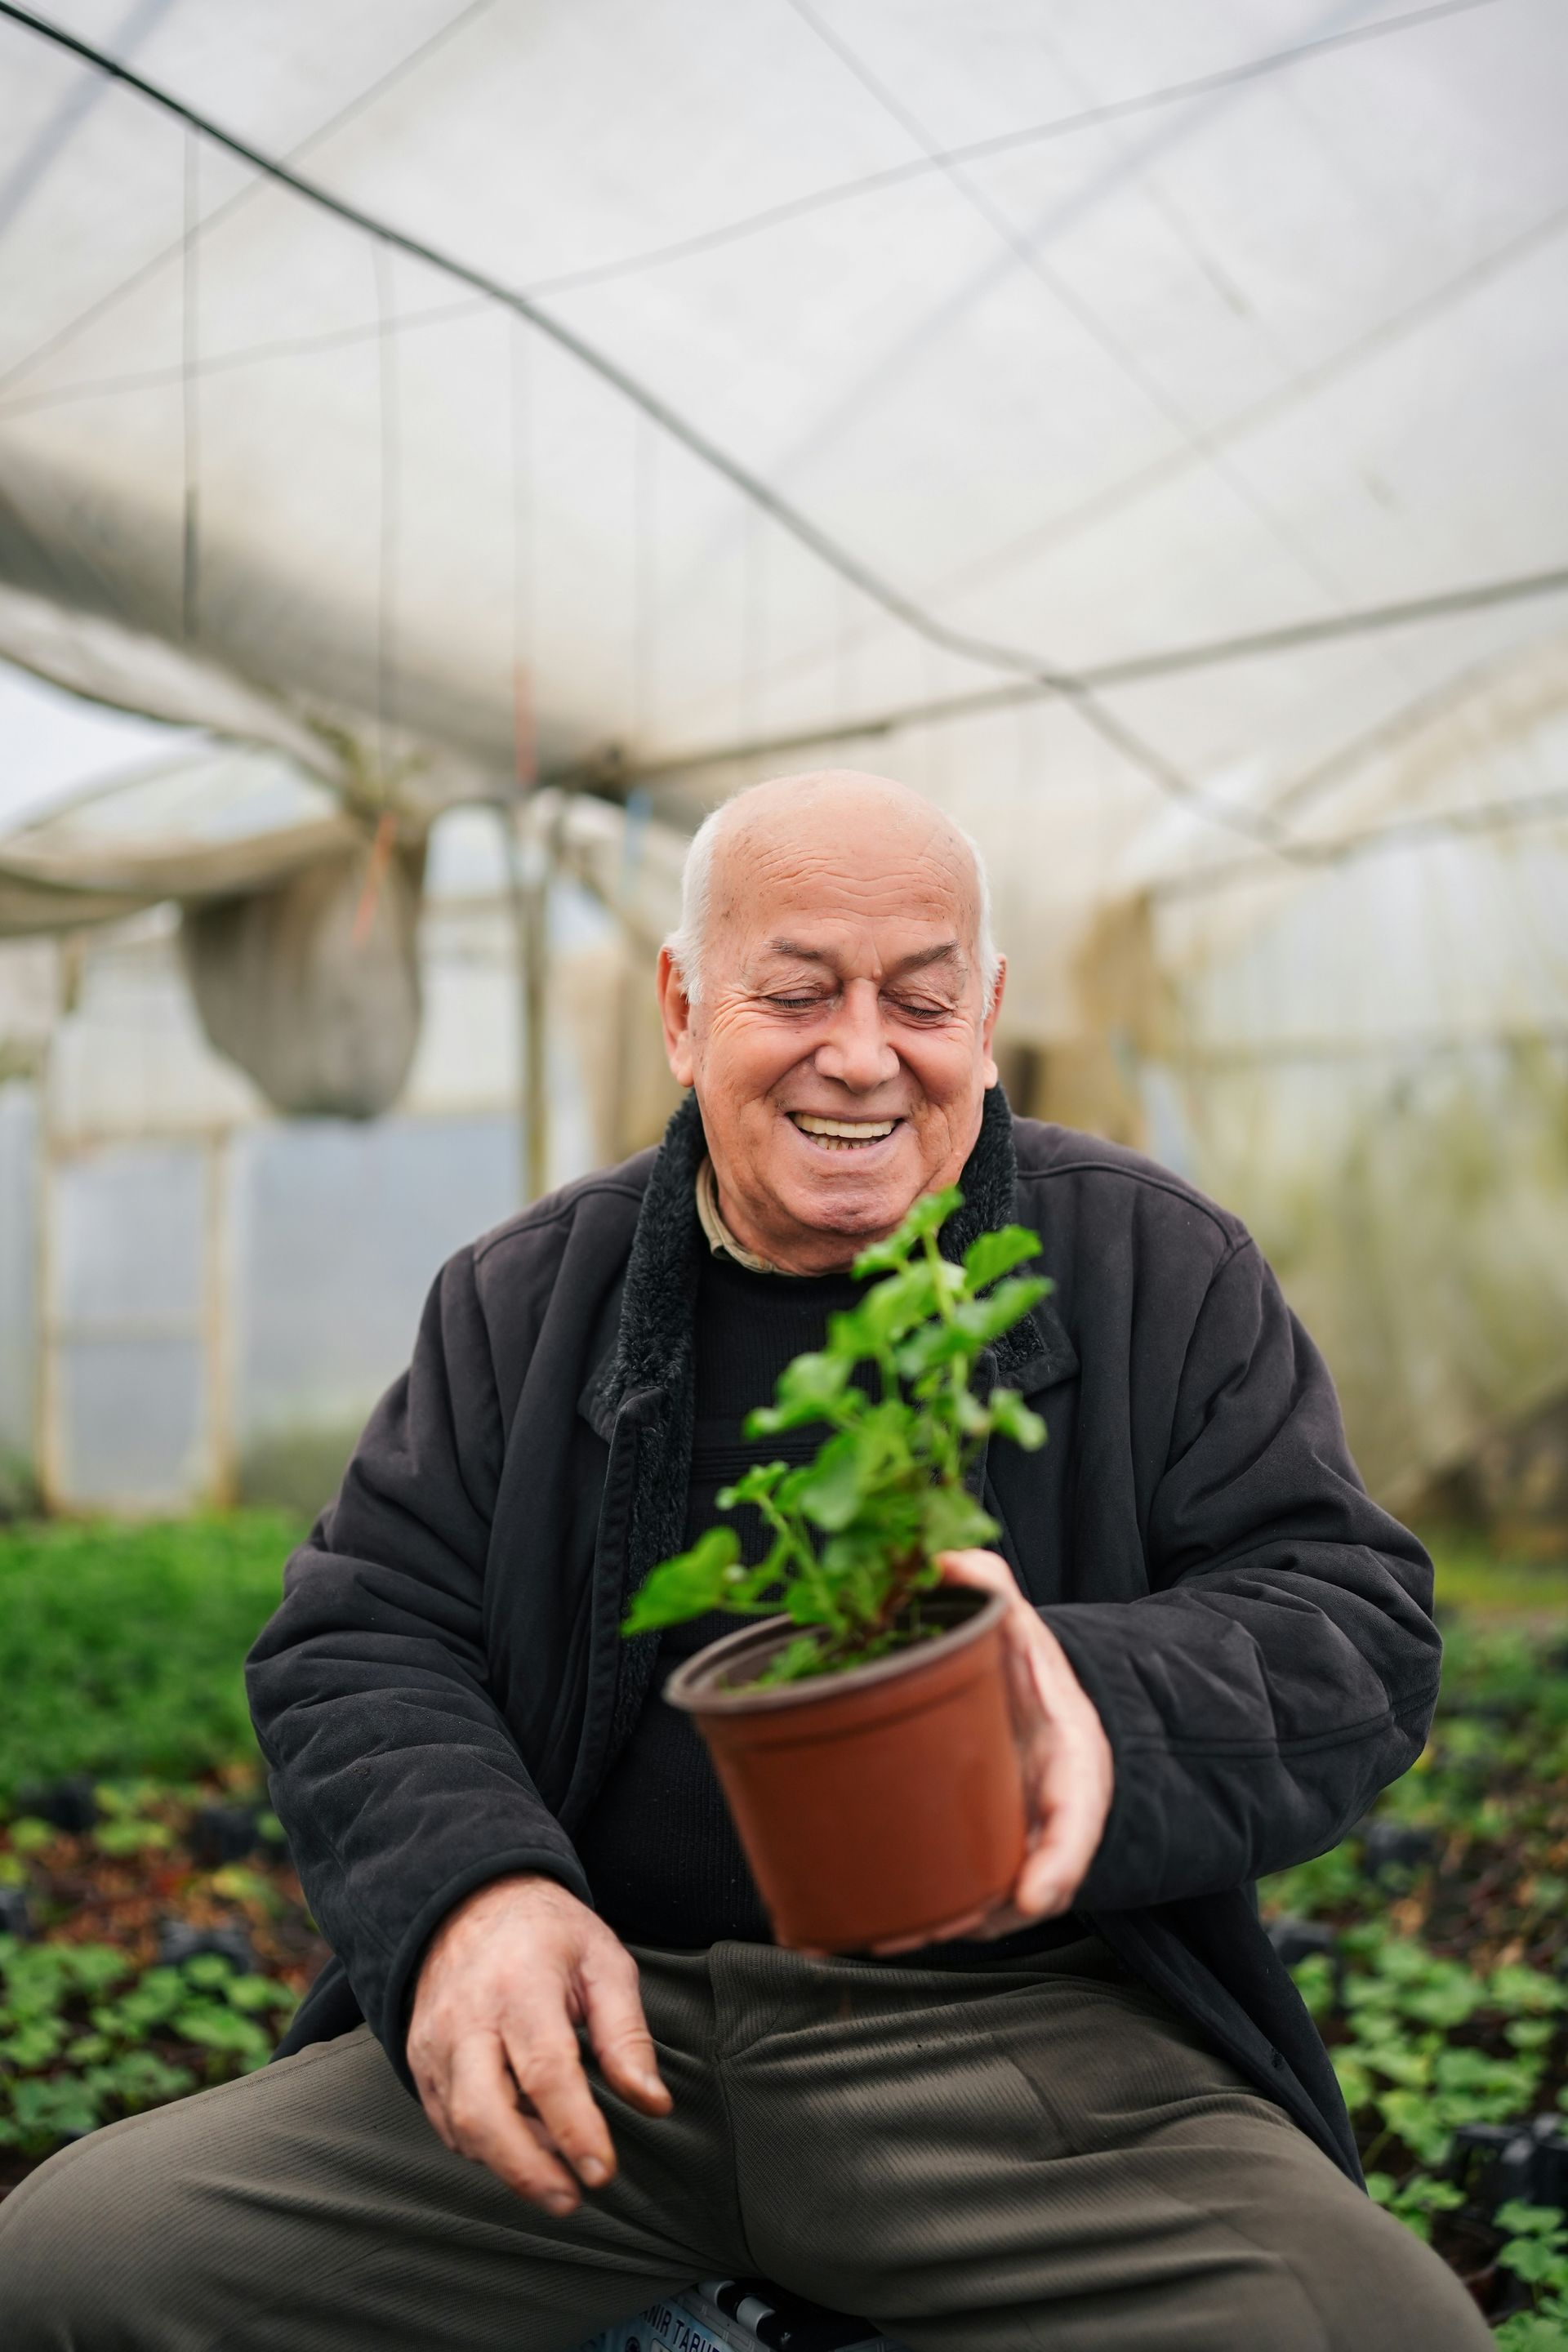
x,y
481,2110
549,2074
987,1570
1074,1807
619,2030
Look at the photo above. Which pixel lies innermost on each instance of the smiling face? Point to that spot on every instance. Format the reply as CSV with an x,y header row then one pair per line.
x,y
841,1046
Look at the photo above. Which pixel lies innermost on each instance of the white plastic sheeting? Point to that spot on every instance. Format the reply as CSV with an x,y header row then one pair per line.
x,y
1090,331
1139,426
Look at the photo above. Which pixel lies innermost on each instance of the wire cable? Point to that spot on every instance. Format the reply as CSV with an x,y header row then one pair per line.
x,y
985,653
1003,143
1130,670
418,54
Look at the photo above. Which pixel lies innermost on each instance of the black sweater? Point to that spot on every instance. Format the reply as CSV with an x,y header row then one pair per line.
x,y
444,1693
659,1848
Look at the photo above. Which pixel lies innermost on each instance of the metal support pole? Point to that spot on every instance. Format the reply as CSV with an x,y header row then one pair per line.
x,y
530,892
218,1322
48,1452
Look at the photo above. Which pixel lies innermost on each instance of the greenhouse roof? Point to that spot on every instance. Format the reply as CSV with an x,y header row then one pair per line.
x,y
1126,421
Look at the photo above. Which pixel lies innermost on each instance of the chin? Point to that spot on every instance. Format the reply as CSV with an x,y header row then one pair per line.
x,y
854,1207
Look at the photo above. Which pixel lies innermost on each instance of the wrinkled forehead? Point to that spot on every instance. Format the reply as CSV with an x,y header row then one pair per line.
x,y
833,874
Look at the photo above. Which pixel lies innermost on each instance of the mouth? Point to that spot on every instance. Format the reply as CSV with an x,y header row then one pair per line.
x,y
842,1134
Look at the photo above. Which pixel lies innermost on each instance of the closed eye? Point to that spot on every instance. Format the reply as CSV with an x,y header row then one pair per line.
x,y
922,1011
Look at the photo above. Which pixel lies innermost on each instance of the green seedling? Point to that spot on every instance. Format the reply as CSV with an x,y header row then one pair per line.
x,y
857,1530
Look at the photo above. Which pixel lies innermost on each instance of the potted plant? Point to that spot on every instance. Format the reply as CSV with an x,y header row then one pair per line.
x,y
861,1730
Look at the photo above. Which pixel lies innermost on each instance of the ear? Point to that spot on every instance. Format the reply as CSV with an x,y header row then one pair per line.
x,y
991,1073
674,1012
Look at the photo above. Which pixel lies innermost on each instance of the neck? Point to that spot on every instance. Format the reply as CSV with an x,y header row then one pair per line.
x,y
806,1253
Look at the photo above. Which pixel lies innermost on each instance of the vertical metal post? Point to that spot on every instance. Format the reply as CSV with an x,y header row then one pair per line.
x,y
536,1030
48,1465
529,895
217,1322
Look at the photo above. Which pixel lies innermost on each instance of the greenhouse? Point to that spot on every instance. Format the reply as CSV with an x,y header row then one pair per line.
x,y
447,450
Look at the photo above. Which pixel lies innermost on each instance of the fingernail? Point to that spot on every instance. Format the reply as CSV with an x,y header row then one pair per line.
x,y
592,2173
653,2086
559,2203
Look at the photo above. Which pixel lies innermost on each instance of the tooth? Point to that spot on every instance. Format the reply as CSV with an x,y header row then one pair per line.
x,y
870,1130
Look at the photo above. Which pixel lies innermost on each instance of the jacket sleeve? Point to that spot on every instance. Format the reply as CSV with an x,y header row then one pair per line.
x,y
389,1765
1284,1665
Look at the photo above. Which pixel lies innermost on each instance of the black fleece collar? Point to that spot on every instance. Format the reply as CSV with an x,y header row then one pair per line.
x,y
654,1346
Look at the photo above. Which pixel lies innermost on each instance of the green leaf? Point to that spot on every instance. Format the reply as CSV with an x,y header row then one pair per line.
x,y
1011,1418
986,1318
1519,1991
754,1485
687,1586
928,1216
1414,2201
46,2109
836,1485
890,1308
975,1324
257,1993
991,1255
1522,2220
953,1521
1533,2261
142,2079
125,1837
808,1390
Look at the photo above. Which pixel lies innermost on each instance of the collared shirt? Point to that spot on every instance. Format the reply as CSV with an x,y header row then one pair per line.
x,y
720,1240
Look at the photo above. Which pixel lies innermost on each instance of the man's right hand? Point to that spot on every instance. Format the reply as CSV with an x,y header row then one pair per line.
x,y
492,2046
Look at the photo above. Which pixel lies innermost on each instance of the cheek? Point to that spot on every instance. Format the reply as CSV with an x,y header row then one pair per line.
x,y
744,1057
944,1066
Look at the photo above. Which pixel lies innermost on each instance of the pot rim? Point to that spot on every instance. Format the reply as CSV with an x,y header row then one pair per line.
x,y
692,1687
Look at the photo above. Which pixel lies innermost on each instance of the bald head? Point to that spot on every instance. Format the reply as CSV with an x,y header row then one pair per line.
x,y
835,818
830,996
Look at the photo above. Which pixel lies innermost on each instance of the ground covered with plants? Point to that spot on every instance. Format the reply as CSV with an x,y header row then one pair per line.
x,y
153,1937
1431,1948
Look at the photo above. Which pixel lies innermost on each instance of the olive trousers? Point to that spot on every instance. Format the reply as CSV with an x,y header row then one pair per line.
x,y
1009,2154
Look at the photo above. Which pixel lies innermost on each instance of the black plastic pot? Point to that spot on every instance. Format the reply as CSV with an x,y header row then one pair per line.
x,y
223,1833
179,1942
1528,2159
16,1916
69,1804
1302,1940
1390,1847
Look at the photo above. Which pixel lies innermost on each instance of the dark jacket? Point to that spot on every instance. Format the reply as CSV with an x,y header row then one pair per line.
x,y
443,1690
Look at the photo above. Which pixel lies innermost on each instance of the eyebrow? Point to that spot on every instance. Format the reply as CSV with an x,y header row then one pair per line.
x,y
949,952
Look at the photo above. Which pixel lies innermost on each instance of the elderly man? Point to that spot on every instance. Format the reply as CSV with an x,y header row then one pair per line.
x,y
1099,2118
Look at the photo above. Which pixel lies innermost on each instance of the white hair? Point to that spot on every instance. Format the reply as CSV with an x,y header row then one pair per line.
x,y
686,943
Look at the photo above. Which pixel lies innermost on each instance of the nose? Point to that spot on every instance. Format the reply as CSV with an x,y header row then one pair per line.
x,y
857,1051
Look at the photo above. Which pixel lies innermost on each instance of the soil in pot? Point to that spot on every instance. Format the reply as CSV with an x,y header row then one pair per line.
x,y
876,1802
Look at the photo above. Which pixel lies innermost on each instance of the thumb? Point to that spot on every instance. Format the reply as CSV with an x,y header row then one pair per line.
x,y
613,2012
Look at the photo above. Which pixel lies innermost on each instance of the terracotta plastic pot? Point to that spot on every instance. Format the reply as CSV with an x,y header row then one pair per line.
x,y
874,1803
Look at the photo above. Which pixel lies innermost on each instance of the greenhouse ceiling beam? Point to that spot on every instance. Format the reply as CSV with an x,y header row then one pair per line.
x,y
1258,826
1372,840
1211,653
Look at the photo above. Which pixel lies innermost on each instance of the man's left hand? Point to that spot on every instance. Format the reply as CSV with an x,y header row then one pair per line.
x,y
1068,1776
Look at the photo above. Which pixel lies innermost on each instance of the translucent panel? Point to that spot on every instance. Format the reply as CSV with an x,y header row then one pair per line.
x,y
129,1237
341,1232
132,1422
18,1227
